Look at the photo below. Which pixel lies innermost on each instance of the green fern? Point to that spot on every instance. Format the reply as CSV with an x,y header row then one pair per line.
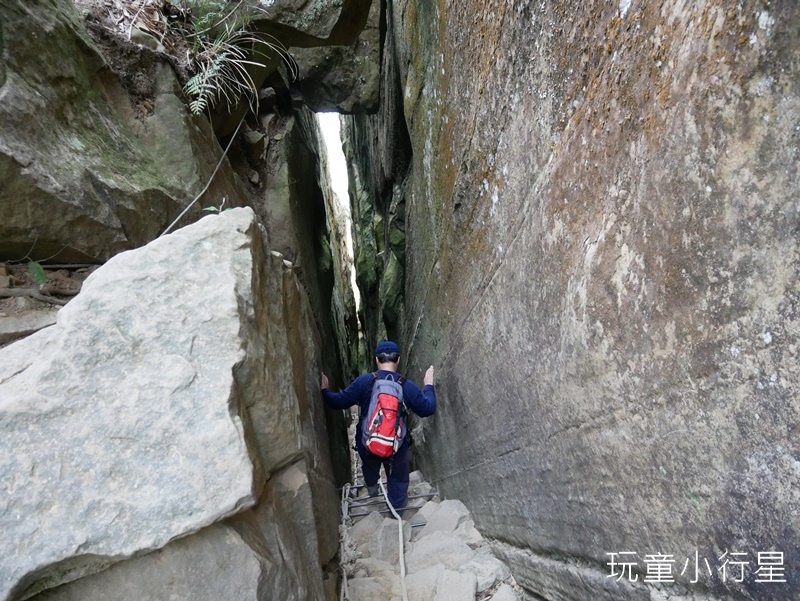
x,y
205,14
222,68
202,87
223,50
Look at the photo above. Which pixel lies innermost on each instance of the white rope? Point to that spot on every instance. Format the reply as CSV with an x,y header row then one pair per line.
x,y
345,499
345,516
344,596
210,179
403,589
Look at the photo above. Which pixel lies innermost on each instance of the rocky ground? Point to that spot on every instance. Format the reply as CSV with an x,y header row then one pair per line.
x,y
26,307
446,558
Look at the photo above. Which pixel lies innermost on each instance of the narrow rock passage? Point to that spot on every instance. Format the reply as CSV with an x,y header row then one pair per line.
x,y
445,557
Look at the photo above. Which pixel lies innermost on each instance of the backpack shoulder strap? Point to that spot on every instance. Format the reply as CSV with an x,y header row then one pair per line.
x,y
394,378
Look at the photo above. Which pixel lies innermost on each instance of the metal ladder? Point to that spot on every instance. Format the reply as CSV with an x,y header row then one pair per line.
x,y
355,504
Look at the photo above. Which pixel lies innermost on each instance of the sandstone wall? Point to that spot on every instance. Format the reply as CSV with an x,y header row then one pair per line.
x,y
98,150
601,259
378,152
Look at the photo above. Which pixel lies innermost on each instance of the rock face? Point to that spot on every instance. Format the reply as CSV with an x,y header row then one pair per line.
x,y
344,74
259,554
14,328
336,45
168,392
601,258
84,174
316,18
335,48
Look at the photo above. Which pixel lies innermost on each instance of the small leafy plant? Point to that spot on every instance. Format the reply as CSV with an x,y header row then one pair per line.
x,y
37,273
218,209
207,14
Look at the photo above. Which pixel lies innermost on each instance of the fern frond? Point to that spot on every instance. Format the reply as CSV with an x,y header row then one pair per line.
x,y
223,63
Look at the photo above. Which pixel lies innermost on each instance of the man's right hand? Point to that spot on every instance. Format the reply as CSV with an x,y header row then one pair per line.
x,y
429,376
324,381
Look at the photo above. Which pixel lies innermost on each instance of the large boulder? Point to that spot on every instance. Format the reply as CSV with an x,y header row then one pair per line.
x,y
314,18
126,424
122,424
216,563
333,52
344,75
89,167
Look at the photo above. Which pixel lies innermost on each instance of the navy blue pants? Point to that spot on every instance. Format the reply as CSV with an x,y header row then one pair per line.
x,y
396,467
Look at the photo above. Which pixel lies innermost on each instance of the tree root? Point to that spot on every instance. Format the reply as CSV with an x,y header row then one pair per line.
x,y
34,293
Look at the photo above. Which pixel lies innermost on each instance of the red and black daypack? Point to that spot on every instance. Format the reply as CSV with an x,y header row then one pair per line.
x,y
383,427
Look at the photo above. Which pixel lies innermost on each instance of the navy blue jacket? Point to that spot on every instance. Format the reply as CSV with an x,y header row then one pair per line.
x,y
422,402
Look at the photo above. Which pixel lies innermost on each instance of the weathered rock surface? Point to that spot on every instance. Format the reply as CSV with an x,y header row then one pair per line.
x,y
378,150
215,563
336,52
368,589
602,261
486,568
363,530
344,75
448,516
505,593
267,552
421,585
384,544
84,174
180,379
295,204
455,586
314,18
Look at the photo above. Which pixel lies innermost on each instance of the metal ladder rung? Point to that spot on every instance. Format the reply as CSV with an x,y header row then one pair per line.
x,y
361,515
377,501
357,486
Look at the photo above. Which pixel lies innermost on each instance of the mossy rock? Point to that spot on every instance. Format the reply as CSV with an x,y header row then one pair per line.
x,y
391,289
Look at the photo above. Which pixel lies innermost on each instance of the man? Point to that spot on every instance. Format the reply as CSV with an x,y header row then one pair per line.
x,y
423,403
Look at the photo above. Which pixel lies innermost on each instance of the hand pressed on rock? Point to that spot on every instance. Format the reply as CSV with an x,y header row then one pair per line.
x,y
324,381
429,376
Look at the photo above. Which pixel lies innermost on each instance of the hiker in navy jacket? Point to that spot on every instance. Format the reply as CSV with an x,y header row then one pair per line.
x,y
422,402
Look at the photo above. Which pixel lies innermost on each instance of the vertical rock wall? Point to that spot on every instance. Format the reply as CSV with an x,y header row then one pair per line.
x,y
378,151
292,197
601,259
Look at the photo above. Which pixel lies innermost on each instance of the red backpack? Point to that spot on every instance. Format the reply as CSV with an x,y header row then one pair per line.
x,y
383,427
